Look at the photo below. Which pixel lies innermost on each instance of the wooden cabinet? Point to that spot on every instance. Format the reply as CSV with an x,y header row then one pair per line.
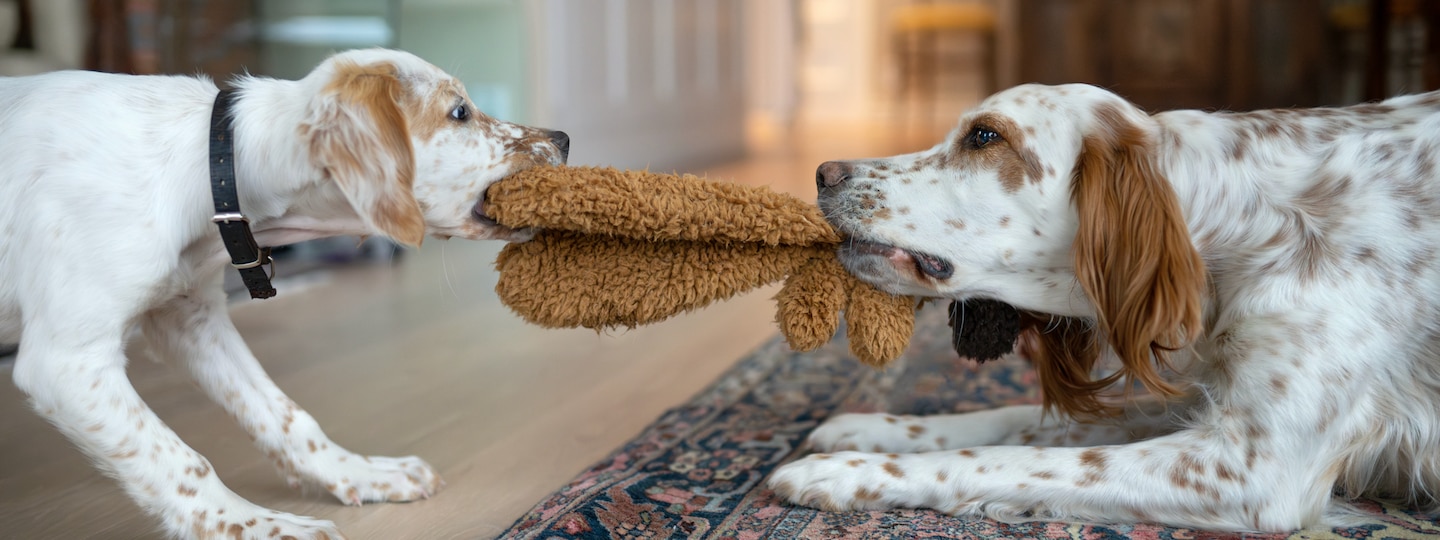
x,y
1166,54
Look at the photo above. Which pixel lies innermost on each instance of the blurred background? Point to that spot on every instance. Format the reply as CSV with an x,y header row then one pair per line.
x,y
413,354
679,82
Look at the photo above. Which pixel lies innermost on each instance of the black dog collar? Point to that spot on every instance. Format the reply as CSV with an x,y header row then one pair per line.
x,y
245,255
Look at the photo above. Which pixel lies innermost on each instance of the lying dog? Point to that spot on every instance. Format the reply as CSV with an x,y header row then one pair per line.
x,y
107,225
1273,273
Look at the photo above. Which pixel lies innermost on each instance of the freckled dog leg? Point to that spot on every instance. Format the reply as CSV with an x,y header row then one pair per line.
x,y
1020,425
79,385
197,330
1184,479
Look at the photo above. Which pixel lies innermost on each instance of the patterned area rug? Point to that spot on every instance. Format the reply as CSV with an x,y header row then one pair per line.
x,y
698,471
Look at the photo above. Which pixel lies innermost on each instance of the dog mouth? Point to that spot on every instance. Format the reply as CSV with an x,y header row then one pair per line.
x,y
924,263
481,213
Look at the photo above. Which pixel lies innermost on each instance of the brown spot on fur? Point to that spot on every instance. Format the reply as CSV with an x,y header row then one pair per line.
x,y
916,431
967,453
1043,475
1224,473
1277,385
855,462
185,491
893,470
863,494
200,471
1365,254
940,476
1093,458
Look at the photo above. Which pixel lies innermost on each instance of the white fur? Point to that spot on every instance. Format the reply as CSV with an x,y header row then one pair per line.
x,y
1317,369
106,226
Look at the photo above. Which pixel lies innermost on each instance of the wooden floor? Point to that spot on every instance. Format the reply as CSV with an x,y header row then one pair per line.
x,y
420,358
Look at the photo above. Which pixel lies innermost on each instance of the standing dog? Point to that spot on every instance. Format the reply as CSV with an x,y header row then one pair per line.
x,y
1275,273
107,225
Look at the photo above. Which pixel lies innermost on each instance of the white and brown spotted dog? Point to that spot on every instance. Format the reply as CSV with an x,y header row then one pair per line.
x,y
105,225
1273,274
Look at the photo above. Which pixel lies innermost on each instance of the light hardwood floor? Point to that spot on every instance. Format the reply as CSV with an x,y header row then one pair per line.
x,y
420,358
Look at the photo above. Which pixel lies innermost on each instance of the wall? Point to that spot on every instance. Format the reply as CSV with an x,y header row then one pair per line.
x,y
640,83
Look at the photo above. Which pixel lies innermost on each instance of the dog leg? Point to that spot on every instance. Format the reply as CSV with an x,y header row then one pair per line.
x,y
78,383
196,329
1015,425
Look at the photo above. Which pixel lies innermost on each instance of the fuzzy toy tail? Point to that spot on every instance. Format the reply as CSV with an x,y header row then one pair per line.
x,y
807,308
880,324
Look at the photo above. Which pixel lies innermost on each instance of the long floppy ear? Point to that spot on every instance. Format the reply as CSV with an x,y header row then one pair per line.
x,y
358,135
1135,260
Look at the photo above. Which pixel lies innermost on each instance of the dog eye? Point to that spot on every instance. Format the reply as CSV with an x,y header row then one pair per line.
x,y
980,136
460,114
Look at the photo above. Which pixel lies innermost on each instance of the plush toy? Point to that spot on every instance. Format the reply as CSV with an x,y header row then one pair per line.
x,y
625,248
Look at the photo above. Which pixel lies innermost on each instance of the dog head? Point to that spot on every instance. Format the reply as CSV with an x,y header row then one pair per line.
x,y
1047,198
410,151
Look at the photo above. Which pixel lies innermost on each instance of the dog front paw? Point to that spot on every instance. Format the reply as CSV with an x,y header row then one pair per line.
x,y
360,479
838,482
244,521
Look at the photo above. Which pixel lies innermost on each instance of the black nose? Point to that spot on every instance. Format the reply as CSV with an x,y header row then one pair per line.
x,y
562,141
832,173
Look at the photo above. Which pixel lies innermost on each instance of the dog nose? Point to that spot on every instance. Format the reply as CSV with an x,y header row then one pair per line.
x,y
562,141
832,173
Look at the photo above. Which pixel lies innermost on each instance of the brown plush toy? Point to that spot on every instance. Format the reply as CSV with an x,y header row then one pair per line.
x,y
626,248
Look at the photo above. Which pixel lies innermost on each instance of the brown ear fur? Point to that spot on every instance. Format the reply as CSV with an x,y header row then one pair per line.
x,y
359,135
1136,263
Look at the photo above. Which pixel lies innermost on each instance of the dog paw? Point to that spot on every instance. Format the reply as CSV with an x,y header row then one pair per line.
x,y
359,479
837,482
876,433
246,521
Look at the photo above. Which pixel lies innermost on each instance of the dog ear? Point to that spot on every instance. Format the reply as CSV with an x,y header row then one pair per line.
x,y
358,136
1133,257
